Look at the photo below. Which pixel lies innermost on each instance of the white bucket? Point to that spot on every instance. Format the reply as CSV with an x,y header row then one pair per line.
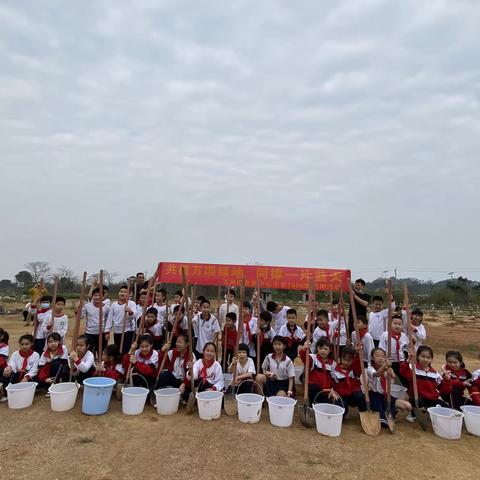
x,y
472,419
446,422
209,404
249,407
168,400
63,396
298,372
328,419
20,395
281,410
133,400
399,392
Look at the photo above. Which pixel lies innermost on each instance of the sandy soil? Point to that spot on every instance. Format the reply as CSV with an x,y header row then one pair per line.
x,y
38,443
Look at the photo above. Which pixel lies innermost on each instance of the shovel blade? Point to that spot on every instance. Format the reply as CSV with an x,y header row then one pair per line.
x,y
230,405
118,391
422,418
370,423
307,417
390,422
191,404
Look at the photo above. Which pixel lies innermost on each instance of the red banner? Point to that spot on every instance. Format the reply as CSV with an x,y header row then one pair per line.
x,y
286,278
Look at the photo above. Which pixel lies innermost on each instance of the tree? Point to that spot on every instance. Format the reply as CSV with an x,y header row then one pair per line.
x,y
108,277
67,280
24,277
6,285
38,270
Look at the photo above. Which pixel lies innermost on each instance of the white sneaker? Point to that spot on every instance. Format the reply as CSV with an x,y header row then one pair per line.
x,y
410,418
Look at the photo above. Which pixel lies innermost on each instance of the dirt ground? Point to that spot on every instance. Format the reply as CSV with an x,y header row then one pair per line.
x,y
38,443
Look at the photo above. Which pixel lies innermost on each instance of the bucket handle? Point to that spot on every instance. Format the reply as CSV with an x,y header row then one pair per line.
x,y
325,391
253,381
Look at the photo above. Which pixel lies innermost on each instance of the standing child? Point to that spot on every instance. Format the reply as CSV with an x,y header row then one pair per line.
x,y
53,364
429,382
338,326
266,333
245,370
460,379
207,372
206,327
230,335
418,329
249,326
153,327
111,366
116,317
228,306
377,320
59,322
43,318
161,306
292,334
322,328
365,337
278,371
379,373
279,315
399,344
23,365
82,360
144,362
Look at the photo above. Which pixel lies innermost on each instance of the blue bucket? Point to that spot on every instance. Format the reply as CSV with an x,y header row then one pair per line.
x,y
97,392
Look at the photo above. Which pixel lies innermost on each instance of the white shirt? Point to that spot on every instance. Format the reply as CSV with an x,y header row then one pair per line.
x,y
377,322
214,373
179,367
395,356
282,369
318,333
42,321
297,334
232,307
420,334
205,330
368,346
91,315
44,358
85,363
249,367
4,350
16,363
252,323
151,360
116,317
60,325
374,382
280,318
343,331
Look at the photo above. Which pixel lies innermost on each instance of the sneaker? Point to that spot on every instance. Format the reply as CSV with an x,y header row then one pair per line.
x,y
410,418
3,399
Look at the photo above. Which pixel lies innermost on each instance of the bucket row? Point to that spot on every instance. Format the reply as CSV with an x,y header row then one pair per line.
x,y
97,393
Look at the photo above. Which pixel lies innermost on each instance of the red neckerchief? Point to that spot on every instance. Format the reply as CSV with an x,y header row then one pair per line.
x,y
383,382
3,345
175,355
292,335
42,310
25,356
326,330
430,369
205,365
363,332
346,373
47,353
396,337
247,327
147,356
456,373
274,357
320,359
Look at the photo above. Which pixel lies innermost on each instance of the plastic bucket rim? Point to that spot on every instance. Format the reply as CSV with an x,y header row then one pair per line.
x,y
341,412
217,395
244,402
74,386
15,387
270,401
466,408
158,391
145,391
108,382
455,414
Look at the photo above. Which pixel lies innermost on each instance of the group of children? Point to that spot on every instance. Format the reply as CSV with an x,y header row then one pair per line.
x,y
261,359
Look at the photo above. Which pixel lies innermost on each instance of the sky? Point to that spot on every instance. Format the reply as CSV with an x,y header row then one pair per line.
x,y
308,133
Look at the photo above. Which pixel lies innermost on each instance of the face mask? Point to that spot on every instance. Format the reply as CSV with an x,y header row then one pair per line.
x,y
45,305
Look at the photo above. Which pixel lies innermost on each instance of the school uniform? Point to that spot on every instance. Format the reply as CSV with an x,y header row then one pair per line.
x,y
283,370
367,342
222,312
378,390
44,316
229,342
60,325
419,334
249,328
4,352
279,319
319,377
399,344
474,390
246,385
156,332
293,337
113,370
457,378
176,366
146,366
205,330
162,314
266,347
207,375
91,314
55,366
346,383
334,322
377,324
23,365
318,333
84,367
116,318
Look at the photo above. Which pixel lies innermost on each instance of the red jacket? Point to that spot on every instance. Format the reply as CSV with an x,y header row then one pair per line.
x,y
346,381
111,372
318,375
429,383
231,337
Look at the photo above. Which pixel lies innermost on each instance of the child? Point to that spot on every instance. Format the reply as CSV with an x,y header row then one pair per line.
x,y
279,374
377,320
176,365
249,326
91,314
322,328
365,337
320,370
429,382
292,334
418,329
460,379
399,343
230,335
153,327
474,388
83,361
116,317
245,370
266,334
142,298
177,299
207,372
23,365
346,381
59,322
206,327
111,366
279,315
379,373
338,326
43,318
227,307
144,362
182,324
161,306
53,364
4,351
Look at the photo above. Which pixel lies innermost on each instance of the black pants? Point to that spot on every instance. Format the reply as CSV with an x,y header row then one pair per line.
x,y
127,341
356,399
93,342
81,376
168,379
376,343
59,370
39,345
456,399
378,402
314,395
15,377
426,403
140,380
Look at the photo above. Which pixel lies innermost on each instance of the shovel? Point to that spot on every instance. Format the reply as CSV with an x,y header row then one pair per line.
x,y
388,412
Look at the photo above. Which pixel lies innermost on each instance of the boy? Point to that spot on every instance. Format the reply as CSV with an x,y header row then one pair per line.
x,y
91,314
43,317
177,299
365,337
230,335
337,326
142,298
399,344
206,327
377,320
292,334
116,318
322,329
59,322
361,301
228,306
249,327
154,327
266,335
279,315
161,306
418,329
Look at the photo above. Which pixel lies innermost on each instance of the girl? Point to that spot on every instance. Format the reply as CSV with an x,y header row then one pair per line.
x,y
207,372
176,365
379,373
429,382
111,366
346,381
279,374
459,376
399,344
322,328
365,337
23,365
245,370
249,326
292,334
4,351
321,365
82,360
53,364
266,334
230,335
144,362
154,327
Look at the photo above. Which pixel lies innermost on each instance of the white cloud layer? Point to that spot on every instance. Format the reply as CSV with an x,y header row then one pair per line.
x,y
334,134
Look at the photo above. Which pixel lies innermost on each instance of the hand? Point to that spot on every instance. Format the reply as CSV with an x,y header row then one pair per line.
x,y
133,347
388,363
289,393
50,380
132,359
348,342
411,354
446,376
182,388
129,311
100,368
333,395
308,344
234,360
7,372
467,384
74,356
189,365
166,347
